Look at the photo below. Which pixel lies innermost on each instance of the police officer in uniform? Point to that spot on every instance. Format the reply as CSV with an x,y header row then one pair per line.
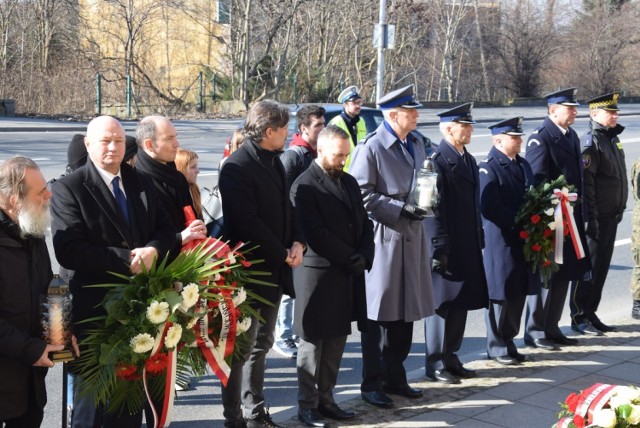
x,y
504,178
398,286
349,119
459,283
605,195
553,149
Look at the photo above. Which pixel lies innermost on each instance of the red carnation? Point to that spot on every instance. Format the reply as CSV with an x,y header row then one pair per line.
x,y
535,219
156,363
578,421
546,263
524,234
572,401
127,372
536,248
547,233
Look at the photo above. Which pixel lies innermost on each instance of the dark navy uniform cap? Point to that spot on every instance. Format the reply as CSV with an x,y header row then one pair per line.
x,y
605,102
461,114
403,97
511,126
351,93
566,97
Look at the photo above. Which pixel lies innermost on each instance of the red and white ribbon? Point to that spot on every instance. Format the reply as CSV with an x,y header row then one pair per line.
x,y
564,210
164,419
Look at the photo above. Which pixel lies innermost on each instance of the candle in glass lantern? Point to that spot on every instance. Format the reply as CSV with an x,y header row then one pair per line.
x,y
56,324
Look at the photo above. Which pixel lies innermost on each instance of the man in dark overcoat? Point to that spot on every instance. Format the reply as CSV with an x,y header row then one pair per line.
x,y
398,285
504,178
459,283
553,149
605,196
329,283
106,218
257,210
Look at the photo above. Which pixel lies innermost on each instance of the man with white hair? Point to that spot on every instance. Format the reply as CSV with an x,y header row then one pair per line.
x,y
25,273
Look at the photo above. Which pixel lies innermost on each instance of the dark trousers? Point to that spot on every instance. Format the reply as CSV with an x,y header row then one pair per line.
x,y
586,295
33,416
545,310
443,333
318,364
503,324
385,346
246,380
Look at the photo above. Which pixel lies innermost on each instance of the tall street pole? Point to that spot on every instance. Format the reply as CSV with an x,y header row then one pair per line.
x,y
382,42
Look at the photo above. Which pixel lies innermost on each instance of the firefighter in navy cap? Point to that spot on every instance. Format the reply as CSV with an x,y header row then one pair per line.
x,y
504,178
398,286
605,197
349,119
553,149
459,283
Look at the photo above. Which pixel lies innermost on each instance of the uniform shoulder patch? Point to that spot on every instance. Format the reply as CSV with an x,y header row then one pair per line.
x,y
586,160
532,142
483,171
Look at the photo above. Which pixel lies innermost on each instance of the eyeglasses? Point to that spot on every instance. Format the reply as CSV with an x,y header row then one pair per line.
x,y
356,102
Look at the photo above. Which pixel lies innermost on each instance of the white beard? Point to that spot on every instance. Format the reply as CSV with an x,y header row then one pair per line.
x,y
33,220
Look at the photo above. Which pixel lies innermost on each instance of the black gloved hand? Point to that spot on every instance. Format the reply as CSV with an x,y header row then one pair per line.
x,y
593,229
357,264
439,265
413,212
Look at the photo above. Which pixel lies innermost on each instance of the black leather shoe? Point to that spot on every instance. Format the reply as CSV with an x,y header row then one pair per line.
x,y
586,328
462,372
563,340
404,390
442,376
311,418
377,398
541,344
334,412
505,360
521,358
603,327
635,311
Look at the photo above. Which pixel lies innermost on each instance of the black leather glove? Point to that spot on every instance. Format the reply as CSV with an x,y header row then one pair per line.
x,y
413,212
593,229
357,264
439,265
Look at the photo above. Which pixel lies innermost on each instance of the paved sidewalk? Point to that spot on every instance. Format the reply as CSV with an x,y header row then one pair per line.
x,y
518,396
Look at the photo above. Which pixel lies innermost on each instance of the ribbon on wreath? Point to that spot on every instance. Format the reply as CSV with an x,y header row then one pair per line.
x,y
164,419
594,399
562,211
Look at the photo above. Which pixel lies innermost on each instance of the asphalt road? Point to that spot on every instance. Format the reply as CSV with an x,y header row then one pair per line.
x,y
201,407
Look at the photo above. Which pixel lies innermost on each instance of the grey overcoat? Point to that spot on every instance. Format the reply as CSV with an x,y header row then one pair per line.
x,y
399,283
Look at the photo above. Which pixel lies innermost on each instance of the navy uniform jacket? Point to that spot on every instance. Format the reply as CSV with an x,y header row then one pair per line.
x,y
605,173
456,231
503,183
551,154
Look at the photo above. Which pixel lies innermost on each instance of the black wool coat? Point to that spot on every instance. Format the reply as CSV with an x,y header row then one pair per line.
x,y
328,297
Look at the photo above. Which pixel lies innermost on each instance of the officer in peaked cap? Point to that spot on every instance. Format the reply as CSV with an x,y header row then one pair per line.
x,y
460,114
605,197
565,97
553,149
504,178
403,98
398,286
459,282
349,118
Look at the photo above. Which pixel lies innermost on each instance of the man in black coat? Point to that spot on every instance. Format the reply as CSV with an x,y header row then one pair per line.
x,y
106,218
25,273
605,196
504,179
459,283
553,149
257,210
329,284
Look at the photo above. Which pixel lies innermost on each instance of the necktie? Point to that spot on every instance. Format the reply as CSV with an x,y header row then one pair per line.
x,y
407,144
122,201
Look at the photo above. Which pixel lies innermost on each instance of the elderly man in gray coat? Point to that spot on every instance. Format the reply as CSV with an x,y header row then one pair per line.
x,y
398,286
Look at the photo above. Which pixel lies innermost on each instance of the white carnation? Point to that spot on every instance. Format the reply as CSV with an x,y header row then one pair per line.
x,y
173,336
142,343
552,225
634,416
549,211
605,418
158,312
190,296
239,296
243,325
624,395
